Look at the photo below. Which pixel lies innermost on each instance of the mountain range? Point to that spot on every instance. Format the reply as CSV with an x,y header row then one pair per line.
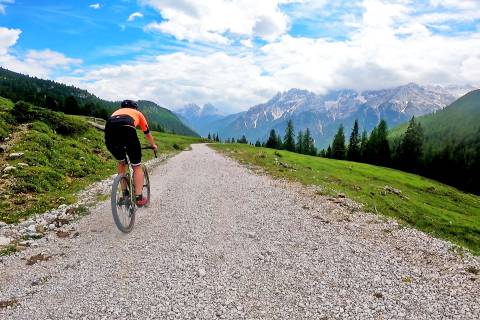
x,y
323,114
199,118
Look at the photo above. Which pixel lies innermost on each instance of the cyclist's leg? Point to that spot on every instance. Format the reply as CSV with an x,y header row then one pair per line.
x,y
135,155
115,142
138,179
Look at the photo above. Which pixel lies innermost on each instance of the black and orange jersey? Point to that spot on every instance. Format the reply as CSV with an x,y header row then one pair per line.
x,y
131,117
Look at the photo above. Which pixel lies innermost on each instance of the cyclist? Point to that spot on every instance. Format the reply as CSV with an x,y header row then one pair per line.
x,y
121,140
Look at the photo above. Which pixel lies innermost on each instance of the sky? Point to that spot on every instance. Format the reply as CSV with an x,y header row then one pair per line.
x,y
238,53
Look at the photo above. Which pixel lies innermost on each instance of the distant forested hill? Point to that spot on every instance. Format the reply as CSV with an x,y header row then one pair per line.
x,y
71,100
451,143
164,118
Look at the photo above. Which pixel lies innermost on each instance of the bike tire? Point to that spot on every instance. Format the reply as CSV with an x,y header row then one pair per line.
x,y
146,184
123,214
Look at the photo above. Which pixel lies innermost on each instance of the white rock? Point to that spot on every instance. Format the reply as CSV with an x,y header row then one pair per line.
x,y
22,164
201,272
4,241
16,155
9,169
51,226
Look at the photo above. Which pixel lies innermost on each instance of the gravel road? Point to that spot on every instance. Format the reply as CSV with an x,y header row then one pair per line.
x,y
220,241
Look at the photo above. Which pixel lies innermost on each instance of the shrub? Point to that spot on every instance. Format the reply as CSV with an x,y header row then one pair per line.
x,y
38,179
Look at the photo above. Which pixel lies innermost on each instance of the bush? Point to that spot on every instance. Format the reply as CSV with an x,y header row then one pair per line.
x,y
24,112
38,179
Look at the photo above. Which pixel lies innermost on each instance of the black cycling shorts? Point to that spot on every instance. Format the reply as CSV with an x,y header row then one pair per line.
x,y
121,139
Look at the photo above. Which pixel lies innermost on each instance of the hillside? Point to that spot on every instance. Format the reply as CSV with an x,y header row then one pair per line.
x,y
323,114
71,100
455,123
430,206
451,144
164,119
46,157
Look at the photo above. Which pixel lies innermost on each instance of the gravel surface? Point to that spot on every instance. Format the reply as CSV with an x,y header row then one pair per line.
x,y
219,241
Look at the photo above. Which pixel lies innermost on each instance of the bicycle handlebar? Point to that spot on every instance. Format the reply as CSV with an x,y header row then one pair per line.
x,y
151,148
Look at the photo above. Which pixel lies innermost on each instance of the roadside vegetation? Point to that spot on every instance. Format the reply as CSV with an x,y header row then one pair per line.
x,y
427,205
49,156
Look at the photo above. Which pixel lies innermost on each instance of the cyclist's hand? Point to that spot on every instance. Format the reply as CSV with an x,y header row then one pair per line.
x,y
154,147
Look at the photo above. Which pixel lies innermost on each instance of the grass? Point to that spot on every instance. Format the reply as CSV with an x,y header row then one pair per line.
x,y
8,250
61,165
435,208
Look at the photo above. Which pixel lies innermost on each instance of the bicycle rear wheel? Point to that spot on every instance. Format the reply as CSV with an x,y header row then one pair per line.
x,y
123,204
146,184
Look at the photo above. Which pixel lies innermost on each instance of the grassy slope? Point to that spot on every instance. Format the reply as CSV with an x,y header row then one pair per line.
x,y
430,206
59,166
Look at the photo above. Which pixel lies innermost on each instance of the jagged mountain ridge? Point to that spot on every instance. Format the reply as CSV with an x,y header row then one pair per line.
x,y
199,118
323,114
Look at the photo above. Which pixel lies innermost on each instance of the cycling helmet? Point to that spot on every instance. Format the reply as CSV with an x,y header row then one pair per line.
x,y
129,104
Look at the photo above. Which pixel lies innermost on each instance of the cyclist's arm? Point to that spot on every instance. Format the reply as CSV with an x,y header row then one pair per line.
x,y
149,138
144,126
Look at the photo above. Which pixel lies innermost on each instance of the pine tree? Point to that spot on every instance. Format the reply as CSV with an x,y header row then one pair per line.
x,y
289,139
370,147
243,140
258,144
272,140
279,145
328,154
71,105
300,141
338,145
209,137
322,153
363,146
410,150
353,151
306,142
383,155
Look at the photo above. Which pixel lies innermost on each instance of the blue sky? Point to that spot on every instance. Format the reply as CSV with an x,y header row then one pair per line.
x,y
239,53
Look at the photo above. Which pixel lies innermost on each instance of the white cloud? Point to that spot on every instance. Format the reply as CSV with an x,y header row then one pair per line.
x,y
174,79
390,44
41,63
3,5
8,37
95,6
135,15
219,20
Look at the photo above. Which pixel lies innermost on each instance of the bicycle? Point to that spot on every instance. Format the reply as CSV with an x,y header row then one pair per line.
x,y
124,204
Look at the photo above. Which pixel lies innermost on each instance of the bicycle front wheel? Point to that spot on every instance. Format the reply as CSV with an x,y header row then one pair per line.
x,y
146,184
123,203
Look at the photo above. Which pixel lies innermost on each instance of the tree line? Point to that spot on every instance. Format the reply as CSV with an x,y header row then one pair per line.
x,y
52,95
457,163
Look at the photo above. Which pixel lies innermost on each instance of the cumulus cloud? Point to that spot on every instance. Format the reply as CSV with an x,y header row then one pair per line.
x,y
95,6
218,20
135,15
3,5
390,44
174,79
8,37
41,63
